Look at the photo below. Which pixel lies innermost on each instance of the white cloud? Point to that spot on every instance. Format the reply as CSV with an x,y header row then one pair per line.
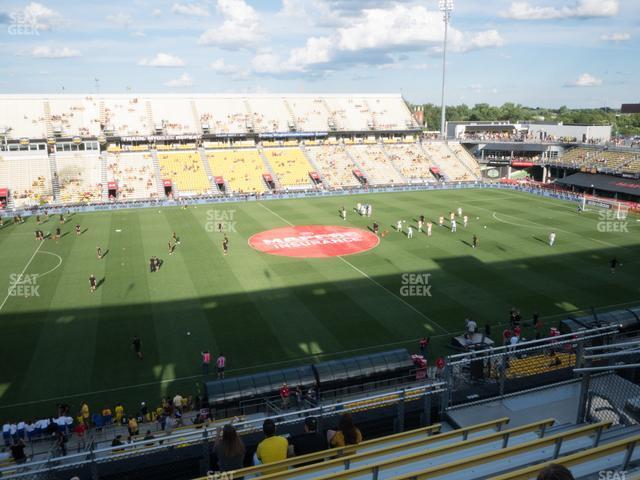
x,y
585,80
45,51
120,19
156,12
408,27
374,37
190,9
39,16
240,28
182,81
163,60
578,9
220,67
616,37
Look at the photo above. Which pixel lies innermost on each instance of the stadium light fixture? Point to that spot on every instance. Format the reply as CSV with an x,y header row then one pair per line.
x,y
446,7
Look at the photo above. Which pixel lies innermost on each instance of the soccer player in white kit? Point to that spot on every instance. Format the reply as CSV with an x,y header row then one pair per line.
x,y
441,221
369,210
409,232
429,225
459,211
420,225
343,212
465,221
454,226
399,225
552,238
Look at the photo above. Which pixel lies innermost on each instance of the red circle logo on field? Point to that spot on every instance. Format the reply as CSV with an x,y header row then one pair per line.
x,y
314,241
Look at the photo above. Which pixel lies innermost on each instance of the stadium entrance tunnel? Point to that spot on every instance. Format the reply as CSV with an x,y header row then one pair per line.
x,y
314,241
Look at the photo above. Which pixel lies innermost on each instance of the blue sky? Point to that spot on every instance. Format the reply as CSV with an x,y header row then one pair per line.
x,y
582,53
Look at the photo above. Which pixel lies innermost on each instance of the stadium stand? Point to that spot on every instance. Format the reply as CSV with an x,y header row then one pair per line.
x,y
22,117
336,167
175,116
376,164
224,115
290,166
270,114
28,177
126,115
410,161
600,160
466,159
311,113
134,175
241,169
186,171
350,113
71,116
389,114
447,161
79,176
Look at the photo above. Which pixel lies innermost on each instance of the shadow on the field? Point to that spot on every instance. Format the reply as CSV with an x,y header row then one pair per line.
x,y
312,312
105,253
541,240
100,282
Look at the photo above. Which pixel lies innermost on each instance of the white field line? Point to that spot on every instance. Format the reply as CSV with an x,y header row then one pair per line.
x,y
17,282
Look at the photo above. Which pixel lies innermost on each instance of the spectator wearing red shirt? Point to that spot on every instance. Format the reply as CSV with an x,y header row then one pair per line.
x,y
506,337
285,393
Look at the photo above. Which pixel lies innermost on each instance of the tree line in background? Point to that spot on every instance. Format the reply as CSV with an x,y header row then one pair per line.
x,y
627,125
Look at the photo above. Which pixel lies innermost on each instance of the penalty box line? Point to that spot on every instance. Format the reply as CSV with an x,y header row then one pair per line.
x,y
365,275
17,282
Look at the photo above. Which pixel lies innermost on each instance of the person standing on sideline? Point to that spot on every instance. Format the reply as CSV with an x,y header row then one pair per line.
x,y
220,364
136,344
206,361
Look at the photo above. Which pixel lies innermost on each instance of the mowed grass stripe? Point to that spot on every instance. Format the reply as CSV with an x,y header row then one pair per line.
x,y
330,296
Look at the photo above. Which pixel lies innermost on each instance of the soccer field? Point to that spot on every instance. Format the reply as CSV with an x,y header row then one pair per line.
x,y
62,343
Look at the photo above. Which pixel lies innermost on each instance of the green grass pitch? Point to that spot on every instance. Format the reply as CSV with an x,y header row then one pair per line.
x,y
59,342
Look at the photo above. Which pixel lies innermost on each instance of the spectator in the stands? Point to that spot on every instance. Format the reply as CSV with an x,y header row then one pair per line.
x,y
6,433
274,447
285,394
132,426
119,414
17,451
84,412
347,433
177,402
309,441
117,441
555,471
229,449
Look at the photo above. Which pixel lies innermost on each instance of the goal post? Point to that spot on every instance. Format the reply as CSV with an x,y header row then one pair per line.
x,y
610,207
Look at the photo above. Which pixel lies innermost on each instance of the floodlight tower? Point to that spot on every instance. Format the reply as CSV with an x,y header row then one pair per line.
x,y
446,7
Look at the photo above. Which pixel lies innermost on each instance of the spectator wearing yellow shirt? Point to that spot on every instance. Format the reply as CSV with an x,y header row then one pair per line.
x,y
347,433
84,412
274,447
118,420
